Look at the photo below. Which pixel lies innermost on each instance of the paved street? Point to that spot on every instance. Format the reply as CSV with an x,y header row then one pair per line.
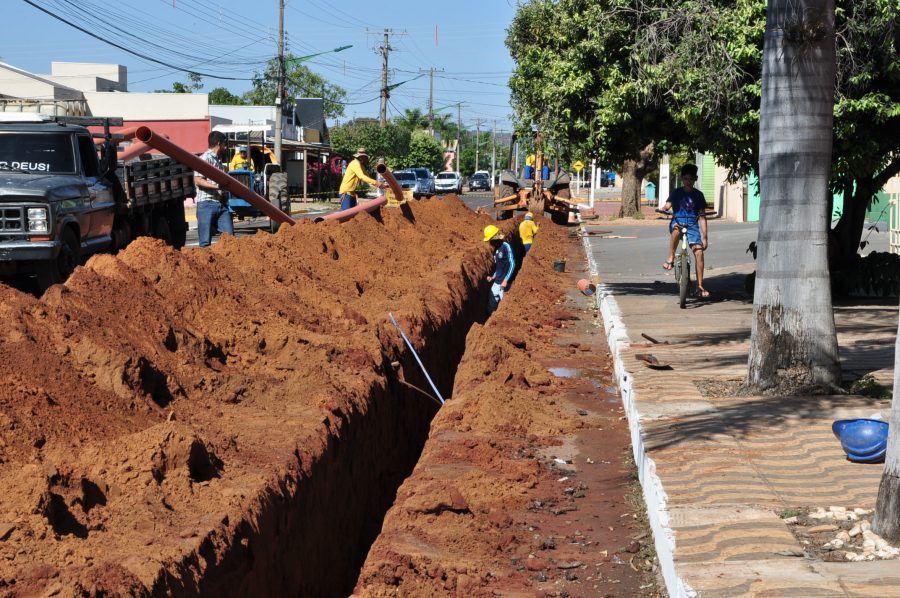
x,y
717,471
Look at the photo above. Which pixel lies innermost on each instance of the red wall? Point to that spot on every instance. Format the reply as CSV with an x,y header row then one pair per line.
x,y
189,134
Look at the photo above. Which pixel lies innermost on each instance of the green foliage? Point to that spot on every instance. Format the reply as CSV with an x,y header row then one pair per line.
x,y
867,386
877,274
222,97
424,150
391,142
791,512
412,119
299,81
575,79
195,83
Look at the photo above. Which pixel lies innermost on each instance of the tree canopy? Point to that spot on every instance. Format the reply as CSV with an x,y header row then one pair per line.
x,y
299,81
391,142
575,81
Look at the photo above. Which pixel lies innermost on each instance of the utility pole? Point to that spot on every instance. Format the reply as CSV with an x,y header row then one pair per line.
x,y
458,134
385,92
279,94
493,153
477,140
431,100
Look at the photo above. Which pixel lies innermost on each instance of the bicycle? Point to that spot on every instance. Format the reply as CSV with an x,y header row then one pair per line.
x,y
682,263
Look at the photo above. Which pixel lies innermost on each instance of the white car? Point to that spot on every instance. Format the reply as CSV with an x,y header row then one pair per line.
x,y
448,182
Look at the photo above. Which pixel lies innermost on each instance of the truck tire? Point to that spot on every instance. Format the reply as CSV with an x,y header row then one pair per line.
x,y
278,196
160,229
560,218
505,191
121,234
177,225
56,271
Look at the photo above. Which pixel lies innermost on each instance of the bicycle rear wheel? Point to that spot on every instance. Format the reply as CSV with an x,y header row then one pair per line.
x,y
684,279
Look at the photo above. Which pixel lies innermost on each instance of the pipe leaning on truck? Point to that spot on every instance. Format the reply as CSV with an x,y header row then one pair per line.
x,y
54,210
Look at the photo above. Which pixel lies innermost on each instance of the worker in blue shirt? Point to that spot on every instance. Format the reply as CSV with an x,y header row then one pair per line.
x,y
504,266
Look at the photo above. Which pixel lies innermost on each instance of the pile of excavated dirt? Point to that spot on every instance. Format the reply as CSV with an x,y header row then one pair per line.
x,y
523,486
234,420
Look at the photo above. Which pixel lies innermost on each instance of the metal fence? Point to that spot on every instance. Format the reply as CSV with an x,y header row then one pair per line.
x,y
894,222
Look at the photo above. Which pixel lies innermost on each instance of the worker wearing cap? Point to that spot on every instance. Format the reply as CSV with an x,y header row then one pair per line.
x,y
356,172
527,230
241,161
504,265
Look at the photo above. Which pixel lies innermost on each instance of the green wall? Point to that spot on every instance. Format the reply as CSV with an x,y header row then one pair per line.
x,y
877,210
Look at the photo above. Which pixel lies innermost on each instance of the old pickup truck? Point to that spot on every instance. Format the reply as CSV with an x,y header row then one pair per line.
x,y
64,196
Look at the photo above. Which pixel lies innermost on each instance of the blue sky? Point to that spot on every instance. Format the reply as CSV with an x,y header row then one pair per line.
x,y
233,38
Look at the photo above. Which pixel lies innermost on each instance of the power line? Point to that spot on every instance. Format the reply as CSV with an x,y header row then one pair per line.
x,y
129,50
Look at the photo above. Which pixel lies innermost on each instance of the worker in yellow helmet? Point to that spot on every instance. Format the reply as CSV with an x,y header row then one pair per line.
x,y
352,176
527,230
504,265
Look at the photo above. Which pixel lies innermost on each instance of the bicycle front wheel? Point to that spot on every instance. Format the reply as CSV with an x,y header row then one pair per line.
x,y
684,280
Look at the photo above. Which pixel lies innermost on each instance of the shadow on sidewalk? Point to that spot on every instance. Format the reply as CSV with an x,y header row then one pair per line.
x,y
722,287
753,415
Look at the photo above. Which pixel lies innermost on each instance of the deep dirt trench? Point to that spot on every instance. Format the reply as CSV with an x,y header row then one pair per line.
x,y
231,421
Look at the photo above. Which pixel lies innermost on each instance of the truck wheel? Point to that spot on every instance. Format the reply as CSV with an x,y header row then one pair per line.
x,y
504,191
161,229
177,225
51,272
560,218
278,196
121,234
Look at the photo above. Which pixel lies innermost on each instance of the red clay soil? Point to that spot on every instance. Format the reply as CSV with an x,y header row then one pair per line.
x,y
226,421
522,487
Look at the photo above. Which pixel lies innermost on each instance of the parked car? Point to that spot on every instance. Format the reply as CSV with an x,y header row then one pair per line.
x,y
480,181
426,181
408,181
448,182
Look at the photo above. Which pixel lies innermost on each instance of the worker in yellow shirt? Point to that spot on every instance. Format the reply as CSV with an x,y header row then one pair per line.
x,y
356,172
527,230
241,161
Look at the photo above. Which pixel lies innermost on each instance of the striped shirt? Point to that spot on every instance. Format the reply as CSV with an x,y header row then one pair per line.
x,y
208,194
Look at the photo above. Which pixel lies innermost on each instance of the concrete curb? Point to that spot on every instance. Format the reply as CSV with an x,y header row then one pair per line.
x,y
655,498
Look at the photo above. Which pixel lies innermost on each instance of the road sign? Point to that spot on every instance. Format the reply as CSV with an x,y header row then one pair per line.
x,y
529,160
578,166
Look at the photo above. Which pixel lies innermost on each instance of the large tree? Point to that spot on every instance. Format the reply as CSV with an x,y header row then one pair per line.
x,y
390,142
704,58
412,119
793,342
886,522
222,97
299,81
575,81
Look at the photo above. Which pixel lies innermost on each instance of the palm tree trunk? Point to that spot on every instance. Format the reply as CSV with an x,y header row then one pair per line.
x,y
793,342
887,506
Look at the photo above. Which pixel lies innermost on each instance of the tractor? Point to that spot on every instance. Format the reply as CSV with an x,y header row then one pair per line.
x,y
535,195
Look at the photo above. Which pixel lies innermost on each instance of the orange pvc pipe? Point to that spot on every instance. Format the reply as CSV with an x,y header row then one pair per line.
x,y
230,184
389,177
345,215
133,151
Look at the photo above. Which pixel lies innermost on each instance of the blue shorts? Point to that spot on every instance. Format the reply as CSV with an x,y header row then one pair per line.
x,y
347,201
693,233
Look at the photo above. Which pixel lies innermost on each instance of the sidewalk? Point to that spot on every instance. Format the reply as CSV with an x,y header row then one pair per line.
x,y
717,472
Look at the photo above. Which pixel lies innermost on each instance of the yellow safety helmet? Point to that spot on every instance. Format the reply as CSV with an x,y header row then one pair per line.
x,y
490,231
529,216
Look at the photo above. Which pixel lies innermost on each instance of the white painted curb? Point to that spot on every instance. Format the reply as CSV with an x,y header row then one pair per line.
x,y
655,497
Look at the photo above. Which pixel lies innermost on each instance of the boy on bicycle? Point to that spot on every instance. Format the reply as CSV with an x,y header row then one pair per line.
x,y
688,208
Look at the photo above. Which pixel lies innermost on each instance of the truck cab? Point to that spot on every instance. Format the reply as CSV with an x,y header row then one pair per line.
x,y
56,203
